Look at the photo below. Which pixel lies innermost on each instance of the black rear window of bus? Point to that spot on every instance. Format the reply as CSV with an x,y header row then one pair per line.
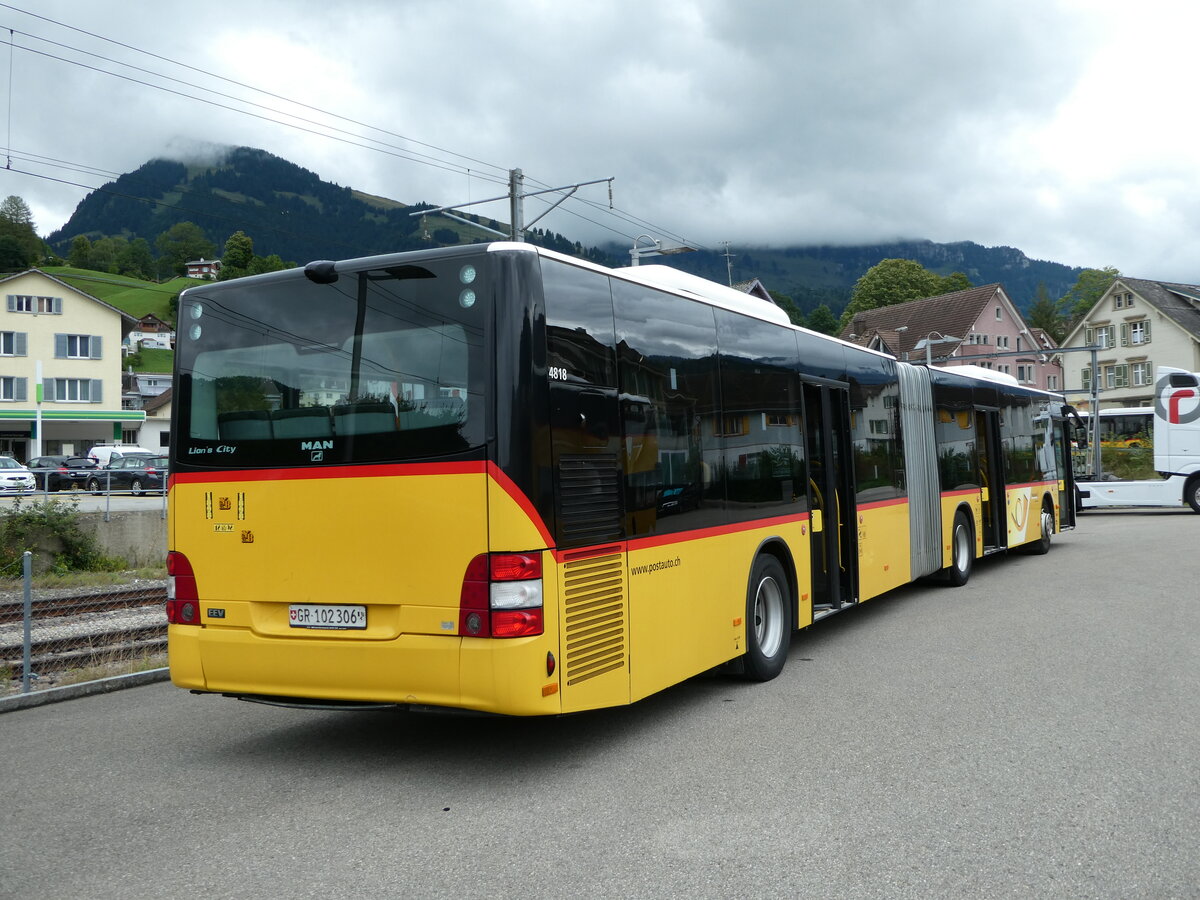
x,y
382,364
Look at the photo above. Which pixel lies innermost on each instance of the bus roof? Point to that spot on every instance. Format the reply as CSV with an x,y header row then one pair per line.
x,y
671,279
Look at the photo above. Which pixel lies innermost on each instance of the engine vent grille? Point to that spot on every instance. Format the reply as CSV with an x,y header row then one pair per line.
x,y
595,617
589,490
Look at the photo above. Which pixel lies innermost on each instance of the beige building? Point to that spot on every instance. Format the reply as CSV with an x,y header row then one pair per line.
x,y
72,341
1138,325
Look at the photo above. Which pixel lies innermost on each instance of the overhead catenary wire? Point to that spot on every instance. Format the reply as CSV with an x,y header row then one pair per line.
x,y
319,129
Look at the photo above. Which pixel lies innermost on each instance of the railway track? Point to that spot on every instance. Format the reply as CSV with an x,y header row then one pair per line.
x,y
83,629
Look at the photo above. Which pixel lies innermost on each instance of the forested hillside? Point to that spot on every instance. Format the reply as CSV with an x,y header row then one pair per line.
x,y
291,212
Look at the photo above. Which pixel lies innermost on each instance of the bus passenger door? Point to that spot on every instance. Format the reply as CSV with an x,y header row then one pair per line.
x,y
831,497
992,495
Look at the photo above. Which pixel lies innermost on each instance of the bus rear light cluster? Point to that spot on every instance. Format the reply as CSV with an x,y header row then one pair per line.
x,y
502,596
183,599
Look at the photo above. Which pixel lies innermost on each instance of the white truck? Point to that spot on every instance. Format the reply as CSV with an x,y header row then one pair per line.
x,y
1176,451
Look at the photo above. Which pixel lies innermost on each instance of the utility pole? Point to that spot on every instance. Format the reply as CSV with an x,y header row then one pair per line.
x,y
728,262
516,205
516,185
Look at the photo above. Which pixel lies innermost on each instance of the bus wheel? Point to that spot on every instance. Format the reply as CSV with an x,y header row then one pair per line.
x,y
962,551
768,620
1192,493
1041,546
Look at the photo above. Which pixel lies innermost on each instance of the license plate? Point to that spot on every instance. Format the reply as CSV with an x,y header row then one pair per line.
x,y
324,615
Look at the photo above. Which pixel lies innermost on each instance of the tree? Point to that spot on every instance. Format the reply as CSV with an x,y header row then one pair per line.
x,y
890,282
180,244
136,259
1046,315
1091,284
788,305
956,281
823,320
80,256
239,251
106,251
23,248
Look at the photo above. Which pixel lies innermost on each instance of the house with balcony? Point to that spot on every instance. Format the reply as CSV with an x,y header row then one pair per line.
x,y
67,343
208,269
1137,324
980,326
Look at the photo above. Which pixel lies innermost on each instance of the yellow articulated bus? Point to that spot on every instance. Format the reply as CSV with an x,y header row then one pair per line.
x,y
497,478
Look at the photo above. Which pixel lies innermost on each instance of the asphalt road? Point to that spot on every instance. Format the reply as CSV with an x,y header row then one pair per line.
x,y
1033,734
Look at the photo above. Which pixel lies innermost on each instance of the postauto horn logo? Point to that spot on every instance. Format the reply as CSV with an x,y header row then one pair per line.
x,y
1177,405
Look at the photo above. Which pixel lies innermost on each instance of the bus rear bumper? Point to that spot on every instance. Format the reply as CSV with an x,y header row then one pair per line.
x,y
412,670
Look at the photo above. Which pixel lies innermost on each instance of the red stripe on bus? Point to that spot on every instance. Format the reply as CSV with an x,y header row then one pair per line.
x,y
474,467
659,540
507,485
879,504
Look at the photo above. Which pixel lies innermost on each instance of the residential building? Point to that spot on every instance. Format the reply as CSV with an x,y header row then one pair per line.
x,y
150,331
1138,325
72,340
207,269
155,433
980,326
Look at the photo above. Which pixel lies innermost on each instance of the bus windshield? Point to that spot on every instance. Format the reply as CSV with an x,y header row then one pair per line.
x,y
384,363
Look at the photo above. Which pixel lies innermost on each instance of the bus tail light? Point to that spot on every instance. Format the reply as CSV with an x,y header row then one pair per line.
x,y
502,596
183,599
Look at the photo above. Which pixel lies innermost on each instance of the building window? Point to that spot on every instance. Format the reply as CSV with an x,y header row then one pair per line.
x,y
1002,341
77,346
974,338
1122,301
1104,336
878,426
13,389
1005,368
1086,378
1052,382
1133,333
27,303
734,425
998,314
12,343
73,390
1142,373
1116,376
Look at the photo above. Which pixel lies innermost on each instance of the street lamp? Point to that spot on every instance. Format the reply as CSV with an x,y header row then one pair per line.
x,y
929,340
659,248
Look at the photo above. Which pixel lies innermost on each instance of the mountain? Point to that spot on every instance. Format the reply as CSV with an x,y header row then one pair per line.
x,y
815,275
289,211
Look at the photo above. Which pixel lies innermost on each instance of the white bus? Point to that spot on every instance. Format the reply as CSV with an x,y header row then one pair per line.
x,y
1174,435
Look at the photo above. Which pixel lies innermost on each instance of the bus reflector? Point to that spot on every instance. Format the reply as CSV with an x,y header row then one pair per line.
x,y
183,598
501,596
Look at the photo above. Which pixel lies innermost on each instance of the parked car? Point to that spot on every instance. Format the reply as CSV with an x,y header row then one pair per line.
x,y
61,473
104,454
15,478
139,474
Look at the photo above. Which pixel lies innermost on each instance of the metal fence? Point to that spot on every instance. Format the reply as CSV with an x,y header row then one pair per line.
x,y
52,637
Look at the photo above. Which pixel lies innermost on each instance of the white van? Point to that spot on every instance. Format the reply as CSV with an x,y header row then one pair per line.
x,y
104,454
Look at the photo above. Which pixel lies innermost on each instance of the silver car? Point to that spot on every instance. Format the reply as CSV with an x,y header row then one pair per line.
x,y
14,477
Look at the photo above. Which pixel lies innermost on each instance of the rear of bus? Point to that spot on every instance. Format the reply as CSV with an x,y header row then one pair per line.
x,y
341,528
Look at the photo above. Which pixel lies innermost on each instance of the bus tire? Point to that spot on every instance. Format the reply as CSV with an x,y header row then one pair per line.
x,y
1041,546
1191,493
768,619
962,551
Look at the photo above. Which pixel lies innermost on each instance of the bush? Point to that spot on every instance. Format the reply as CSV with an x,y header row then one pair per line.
x,y
51,532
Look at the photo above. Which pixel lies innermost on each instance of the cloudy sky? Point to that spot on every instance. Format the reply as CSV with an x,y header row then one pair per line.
x,y
1065,128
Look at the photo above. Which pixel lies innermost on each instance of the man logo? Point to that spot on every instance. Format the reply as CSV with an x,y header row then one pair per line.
x,y
316,445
